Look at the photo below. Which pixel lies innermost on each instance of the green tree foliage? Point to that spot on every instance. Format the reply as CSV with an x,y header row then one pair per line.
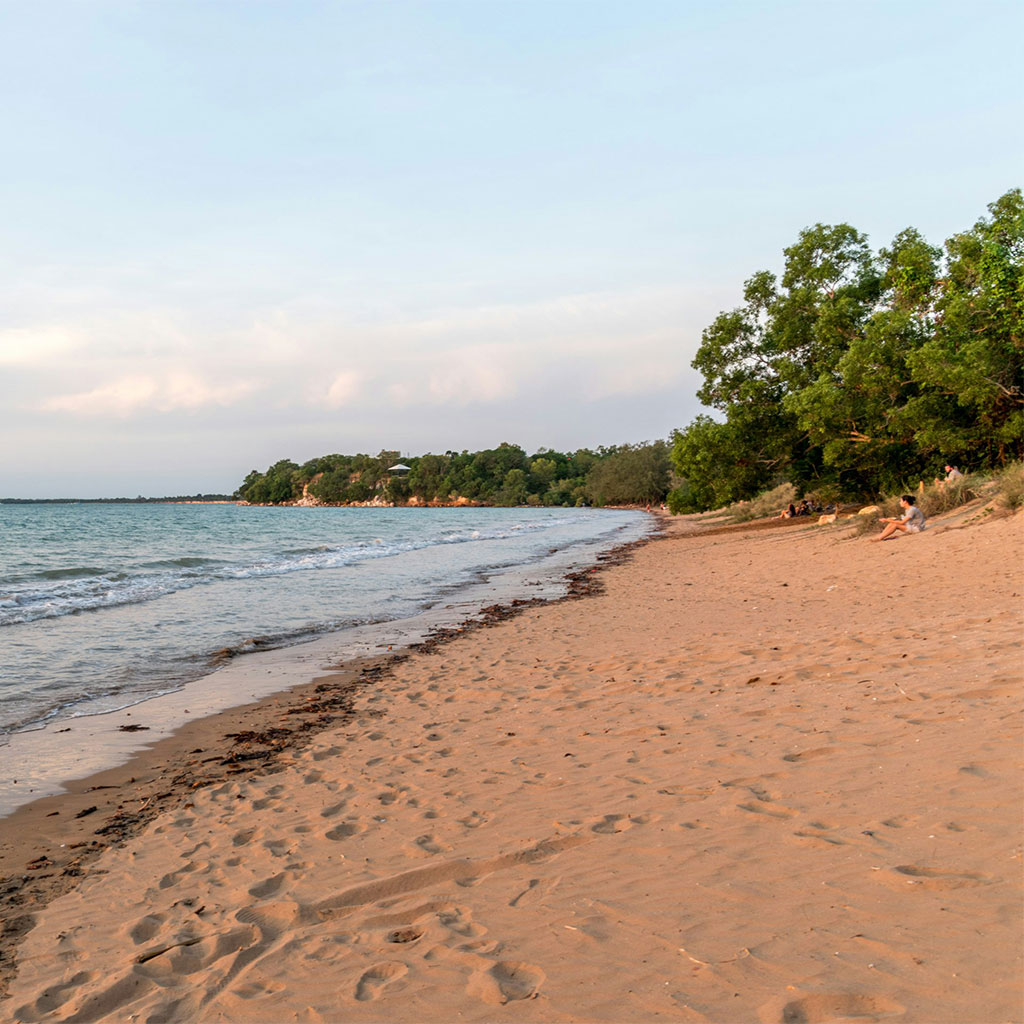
x,y
496,476
975,356
281,482
632,475
857,372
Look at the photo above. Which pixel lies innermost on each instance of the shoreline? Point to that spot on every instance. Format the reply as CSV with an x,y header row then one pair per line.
x,y
203,681
770,775
159,775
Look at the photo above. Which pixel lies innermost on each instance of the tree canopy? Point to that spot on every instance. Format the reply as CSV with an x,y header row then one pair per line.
x,y
506,475
856,372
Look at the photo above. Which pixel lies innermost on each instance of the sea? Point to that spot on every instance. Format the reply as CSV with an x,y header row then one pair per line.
x,y
105,606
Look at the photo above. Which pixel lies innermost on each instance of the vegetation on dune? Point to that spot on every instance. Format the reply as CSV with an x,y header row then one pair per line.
x,y
1010,487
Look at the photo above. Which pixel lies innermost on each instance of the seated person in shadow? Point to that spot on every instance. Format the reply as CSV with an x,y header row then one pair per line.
x,y
912,520
952,478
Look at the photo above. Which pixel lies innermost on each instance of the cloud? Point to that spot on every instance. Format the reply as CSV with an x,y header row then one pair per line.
x,y
129,395
36,346
461,376
315,358
343,389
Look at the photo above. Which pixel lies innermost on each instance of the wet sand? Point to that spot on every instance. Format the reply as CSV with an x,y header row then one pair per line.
x,y
764,775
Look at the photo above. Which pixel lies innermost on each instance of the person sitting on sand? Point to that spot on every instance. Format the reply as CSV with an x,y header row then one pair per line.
x,y
912,520
953,477
788,513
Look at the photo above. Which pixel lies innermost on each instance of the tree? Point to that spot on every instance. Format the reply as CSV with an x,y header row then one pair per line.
x,y
633,475
857,412
975,356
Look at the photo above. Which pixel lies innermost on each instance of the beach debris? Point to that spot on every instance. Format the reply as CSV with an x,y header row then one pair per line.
x,y
267,737
133,727
86,811
120,825
160,950
741,955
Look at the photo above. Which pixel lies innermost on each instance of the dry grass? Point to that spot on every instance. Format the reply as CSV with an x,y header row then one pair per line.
x,y
1004,489
887,508
940,498
1011,487
769,503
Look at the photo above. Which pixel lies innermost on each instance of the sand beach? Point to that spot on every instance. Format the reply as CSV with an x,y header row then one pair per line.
x,y
766,773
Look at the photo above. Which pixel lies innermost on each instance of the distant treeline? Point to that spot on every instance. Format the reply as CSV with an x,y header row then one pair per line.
x,y
506,475
858,372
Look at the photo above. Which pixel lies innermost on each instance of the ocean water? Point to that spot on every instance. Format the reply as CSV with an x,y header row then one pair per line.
x,y
102,606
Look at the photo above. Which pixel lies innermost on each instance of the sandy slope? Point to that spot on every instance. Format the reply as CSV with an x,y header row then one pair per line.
x,y
768,776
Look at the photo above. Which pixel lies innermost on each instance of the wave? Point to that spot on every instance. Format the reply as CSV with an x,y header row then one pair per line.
x,y
55,593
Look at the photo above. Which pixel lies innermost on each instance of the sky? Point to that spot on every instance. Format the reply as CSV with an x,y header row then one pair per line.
x,y
236,232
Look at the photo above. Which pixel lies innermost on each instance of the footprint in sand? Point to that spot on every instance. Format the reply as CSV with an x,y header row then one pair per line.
x,y
826,1007
537,889
269,886
174,877
53,996
258,989
936,878
821,836
695,792
460,920
808,755
377,978
614,823
769,809
507,981
432,844
330,812
899,821
345,830
475,820
144,929
517,980
323,755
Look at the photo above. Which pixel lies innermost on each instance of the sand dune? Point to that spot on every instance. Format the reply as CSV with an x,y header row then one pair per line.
x,y
764,776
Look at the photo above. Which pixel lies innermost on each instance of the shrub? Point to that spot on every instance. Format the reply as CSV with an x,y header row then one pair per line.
x,y
768,503
1011,486
940,498
888,508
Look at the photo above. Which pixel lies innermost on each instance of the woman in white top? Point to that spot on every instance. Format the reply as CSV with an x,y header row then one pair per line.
x,y
912,520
